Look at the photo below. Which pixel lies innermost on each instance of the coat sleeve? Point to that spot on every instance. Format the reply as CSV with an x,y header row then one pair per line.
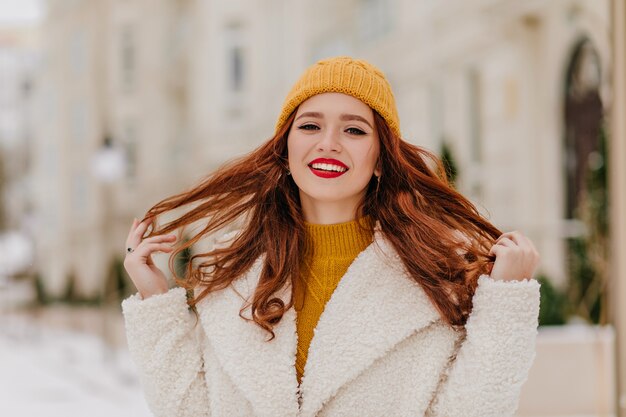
x,y
493,361
163,340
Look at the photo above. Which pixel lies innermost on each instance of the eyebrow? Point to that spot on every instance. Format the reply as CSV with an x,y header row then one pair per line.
x,y
344,117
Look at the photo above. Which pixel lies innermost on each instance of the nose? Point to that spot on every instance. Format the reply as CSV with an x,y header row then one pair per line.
x,y
329,141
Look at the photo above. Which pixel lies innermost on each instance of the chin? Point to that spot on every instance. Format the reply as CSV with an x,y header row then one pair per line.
x,y
329,196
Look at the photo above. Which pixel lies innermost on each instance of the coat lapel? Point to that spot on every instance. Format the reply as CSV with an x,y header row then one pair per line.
x,y
375,306
264,371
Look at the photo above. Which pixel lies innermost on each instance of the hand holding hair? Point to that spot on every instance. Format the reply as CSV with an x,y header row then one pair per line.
x,y
148,279
516,257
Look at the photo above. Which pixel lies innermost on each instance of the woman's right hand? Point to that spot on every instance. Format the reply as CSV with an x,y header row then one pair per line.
x,y
148,279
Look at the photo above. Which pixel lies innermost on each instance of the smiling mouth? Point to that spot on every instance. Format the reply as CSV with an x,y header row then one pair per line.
x,y
328,167
328,171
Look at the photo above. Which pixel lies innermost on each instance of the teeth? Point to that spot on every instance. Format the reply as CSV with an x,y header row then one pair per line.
x,y
328,167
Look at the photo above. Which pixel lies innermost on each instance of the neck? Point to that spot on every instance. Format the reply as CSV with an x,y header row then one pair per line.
x,y
334,212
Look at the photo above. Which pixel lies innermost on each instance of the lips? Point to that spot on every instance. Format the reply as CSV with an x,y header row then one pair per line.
x,y
327,168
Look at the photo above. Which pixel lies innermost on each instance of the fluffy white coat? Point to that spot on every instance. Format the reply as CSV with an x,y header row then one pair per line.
x,y
380,349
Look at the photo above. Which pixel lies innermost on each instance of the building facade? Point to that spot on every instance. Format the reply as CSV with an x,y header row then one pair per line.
x,y
182,85
517,90
19,59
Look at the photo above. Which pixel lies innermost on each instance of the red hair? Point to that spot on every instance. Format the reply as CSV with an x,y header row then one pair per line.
x,y
439,235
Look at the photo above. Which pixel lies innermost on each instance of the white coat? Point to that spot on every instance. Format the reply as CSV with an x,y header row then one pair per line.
x,y
380,349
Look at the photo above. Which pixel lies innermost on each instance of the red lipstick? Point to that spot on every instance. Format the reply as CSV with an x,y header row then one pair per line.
x,y
327,171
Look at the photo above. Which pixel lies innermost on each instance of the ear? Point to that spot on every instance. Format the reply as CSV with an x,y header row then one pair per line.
x,y
377,169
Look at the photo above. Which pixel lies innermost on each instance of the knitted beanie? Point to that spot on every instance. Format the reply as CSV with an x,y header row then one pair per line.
x,y
347,75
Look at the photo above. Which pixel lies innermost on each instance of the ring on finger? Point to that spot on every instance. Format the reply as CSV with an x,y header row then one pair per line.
x,y
129,250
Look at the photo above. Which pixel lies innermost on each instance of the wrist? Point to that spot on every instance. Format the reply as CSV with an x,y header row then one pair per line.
x,y
151,293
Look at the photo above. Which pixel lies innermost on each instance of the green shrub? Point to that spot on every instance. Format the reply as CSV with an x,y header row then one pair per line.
x,y
553,308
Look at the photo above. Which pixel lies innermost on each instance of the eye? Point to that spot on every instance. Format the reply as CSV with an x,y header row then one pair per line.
x,y
355,131
308,126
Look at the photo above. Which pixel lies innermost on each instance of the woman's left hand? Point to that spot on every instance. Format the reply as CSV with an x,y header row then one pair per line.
x,y
516,257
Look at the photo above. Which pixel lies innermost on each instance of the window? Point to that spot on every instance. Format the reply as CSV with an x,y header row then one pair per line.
x,y
235,57
236,77
128,58
475,115
130,140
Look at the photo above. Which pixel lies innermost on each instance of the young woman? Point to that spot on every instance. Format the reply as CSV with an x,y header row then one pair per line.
x,y
358,281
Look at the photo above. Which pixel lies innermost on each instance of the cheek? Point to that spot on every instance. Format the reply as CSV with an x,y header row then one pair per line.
x,y
291,148
295,150
371,154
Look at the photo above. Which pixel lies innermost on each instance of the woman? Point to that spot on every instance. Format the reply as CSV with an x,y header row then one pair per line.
x,y
359,283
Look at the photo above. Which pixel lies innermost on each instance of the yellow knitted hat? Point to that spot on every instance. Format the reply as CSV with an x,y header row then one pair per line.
x,y
346,75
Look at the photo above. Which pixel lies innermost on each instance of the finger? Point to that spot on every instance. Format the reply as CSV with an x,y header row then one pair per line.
x,y
513,235
524,243
145,250
505,241
143,226
502,236
518,238
515,239
529,245
497,250
133,226
157,239
160,238
140,230
159,247
503,244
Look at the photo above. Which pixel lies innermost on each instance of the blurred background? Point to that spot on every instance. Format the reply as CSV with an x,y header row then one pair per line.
x,y
108,106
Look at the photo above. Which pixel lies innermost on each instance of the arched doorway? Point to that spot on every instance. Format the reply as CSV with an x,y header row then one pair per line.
x,y
585,183
583,120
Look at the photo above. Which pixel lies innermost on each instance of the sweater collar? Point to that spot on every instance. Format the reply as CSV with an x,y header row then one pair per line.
x,y
340,240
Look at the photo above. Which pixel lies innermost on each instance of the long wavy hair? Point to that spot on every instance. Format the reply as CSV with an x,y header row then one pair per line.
x,y
439,235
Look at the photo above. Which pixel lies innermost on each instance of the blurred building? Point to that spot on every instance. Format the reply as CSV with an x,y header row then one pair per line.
x,y
489,78
19,57
618,193
177,86
182,85
70,130
115,82
518,91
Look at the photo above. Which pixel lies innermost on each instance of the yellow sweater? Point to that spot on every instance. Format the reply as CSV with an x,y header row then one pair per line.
x,y
328,252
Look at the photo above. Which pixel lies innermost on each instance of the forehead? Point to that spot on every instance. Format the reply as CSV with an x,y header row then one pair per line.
x,y
336,103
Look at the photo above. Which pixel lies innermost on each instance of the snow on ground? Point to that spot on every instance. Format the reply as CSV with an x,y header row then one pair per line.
x,y
52,372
